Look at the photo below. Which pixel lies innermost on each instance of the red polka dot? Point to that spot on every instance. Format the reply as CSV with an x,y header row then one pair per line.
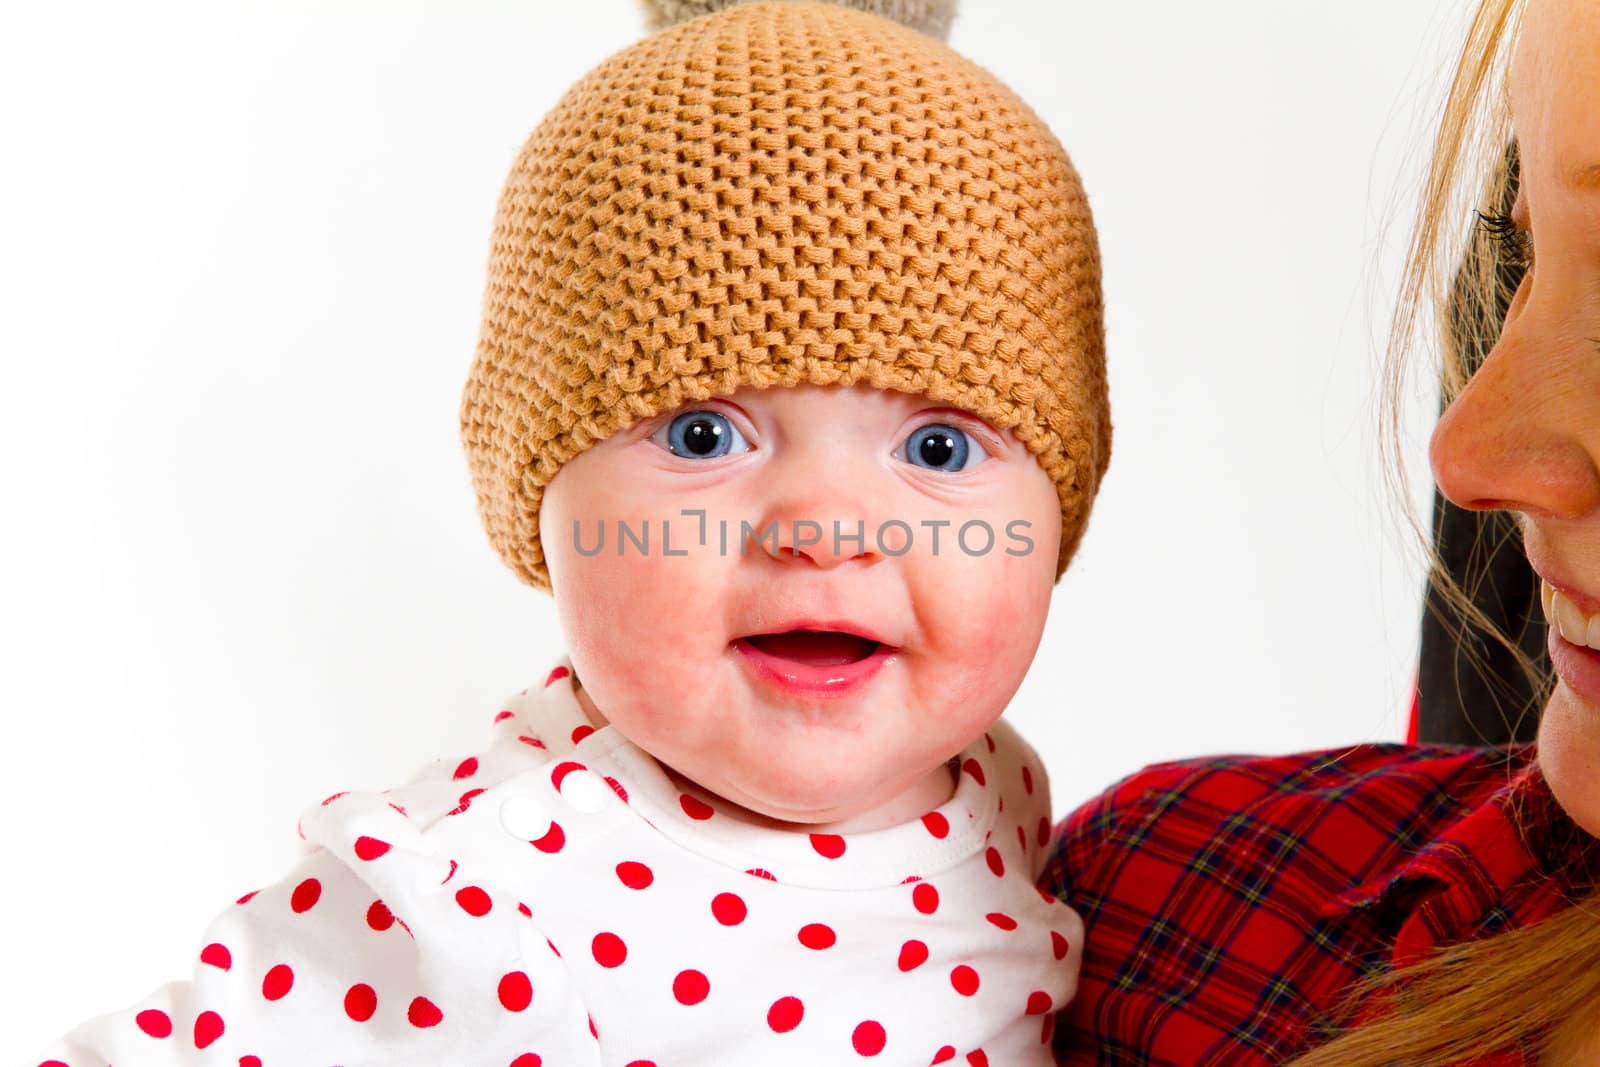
x,y
945,1054
527,1059
996,864
533,741
829,846
641,1063
379,917
249,1061
451,873
305,895
278,982
467,768
464,801
553,841
937,824
217,955
978,1058
913,954
423,1013
579,733
1058,944
690,987
555,675
1039,1002
635,875
1002,920
989,741
52,1063
1027,780
1043,836
474,901
785,1014
964,980
694,807
207,1028
524,909
370,848
516,992
501,716
154,1022
1022,838
925,898
974,768
562,769
360,1001
608,949
616,787
868,1038
247,896
729,909
817,936
757,872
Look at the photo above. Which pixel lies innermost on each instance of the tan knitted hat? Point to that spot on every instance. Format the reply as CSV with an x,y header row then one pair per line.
x,y
777,193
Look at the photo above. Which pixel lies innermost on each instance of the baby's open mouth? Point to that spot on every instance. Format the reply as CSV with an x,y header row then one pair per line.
x,y
817,648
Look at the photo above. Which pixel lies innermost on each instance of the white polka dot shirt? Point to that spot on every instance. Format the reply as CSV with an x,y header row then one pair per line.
x,y
556,900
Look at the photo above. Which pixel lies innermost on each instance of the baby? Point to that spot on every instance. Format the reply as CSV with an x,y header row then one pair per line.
x,y
791,391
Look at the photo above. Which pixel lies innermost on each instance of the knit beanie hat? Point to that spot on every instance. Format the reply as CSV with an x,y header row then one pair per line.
x,y
775,193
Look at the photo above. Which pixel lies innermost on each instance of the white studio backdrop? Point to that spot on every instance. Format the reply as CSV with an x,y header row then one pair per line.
x,y
242,270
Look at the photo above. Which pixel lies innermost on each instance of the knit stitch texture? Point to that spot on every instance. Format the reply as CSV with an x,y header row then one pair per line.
x,y
775,194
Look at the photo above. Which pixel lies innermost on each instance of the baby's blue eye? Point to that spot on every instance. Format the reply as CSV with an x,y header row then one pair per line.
x,y
942,447
700,435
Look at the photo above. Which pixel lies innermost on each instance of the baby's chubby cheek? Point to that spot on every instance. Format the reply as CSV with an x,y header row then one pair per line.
x,y
982,618
641,621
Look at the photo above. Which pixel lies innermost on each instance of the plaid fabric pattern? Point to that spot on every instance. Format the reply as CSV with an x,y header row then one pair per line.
x,y
1230,902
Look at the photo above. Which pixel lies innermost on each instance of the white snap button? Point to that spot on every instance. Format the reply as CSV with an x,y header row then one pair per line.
x,y
585,791
524,818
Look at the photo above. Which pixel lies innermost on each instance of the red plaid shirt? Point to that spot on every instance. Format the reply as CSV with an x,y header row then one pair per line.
x,y
1231,901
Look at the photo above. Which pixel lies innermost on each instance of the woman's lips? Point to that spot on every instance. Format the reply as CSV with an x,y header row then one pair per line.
x,y
1577,666
813,664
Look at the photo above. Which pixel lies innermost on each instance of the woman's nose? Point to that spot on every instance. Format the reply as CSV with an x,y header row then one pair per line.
x,y
1523,434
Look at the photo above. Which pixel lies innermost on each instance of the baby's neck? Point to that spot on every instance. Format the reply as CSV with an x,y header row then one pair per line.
x,y
934,789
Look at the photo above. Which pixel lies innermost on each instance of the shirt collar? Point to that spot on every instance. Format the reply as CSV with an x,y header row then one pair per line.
x,y
705,824
1519,837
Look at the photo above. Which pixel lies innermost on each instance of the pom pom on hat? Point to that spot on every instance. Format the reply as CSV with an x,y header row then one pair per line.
x,y
932,17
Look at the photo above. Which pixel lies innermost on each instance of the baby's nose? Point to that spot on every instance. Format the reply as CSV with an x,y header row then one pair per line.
x,y
828,513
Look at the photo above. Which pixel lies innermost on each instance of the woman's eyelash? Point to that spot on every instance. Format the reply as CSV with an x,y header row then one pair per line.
x,y
1507,235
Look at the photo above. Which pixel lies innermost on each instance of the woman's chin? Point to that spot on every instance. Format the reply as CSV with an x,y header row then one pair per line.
x,y
1569,755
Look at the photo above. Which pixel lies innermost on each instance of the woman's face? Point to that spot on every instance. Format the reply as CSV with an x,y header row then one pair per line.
x,y
1525,433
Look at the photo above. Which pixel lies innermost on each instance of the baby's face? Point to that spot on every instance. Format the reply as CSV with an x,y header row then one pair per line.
x,y
668,641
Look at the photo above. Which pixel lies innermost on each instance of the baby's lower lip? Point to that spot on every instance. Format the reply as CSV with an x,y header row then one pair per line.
x,y
793,678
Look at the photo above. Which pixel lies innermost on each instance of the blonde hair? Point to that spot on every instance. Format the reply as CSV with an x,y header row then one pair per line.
x,y
1534,987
